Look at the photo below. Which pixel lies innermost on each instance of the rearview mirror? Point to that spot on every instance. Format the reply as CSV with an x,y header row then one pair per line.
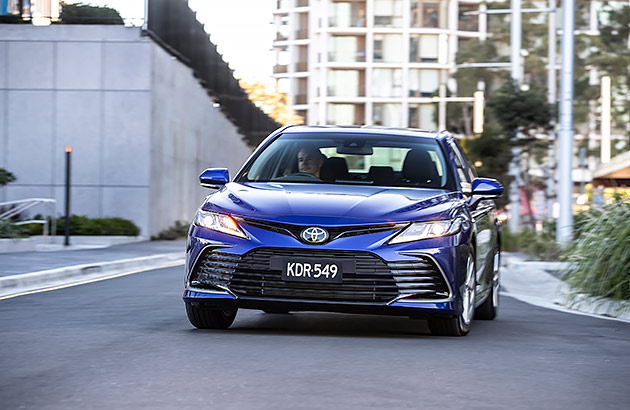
x,y
214,178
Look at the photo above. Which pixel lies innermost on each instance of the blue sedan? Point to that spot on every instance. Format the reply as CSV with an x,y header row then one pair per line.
x,y
347,219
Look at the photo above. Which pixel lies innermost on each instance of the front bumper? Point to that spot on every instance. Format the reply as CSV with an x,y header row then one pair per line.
x,y
234,273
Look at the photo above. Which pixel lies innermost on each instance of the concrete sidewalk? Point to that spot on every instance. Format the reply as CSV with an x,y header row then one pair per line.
x,y
538,283
530,281
29,271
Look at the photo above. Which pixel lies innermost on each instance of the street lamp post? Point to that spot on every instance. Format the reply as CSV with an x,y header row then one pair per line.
x,y
564,228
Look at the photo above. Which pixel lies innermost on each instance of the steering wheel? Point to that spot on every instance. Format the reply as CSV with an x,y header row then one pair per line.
x,y
306,175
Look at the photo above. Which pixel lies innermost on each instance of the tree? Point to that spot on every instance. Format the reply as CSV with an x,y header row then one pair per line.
x,y
86,14
6,177
272,103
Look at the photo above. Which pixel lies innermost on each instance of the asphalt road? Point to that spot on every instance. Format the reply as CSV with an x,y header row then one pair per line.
x,y
126,344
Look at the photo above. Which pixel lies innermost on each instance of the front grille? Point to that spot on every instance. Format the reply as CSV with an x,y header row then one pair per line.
x,y
334,232
373,280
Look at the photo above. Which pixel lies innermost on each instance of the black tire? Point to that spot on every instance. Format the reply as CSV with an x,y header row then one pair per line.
x,y
489,309
208,318
448,327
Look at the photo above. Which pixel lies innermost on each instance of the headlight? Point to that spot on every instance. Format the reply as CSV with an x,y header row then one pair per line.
x,y
219,222
427,230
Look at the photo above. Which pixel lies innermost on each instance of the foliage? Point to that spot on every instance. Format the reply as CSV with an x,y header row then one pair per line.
x,y
87,14
272,103
527,111
9,230
6,177
493,149
541,244
600,261
179,230
82,226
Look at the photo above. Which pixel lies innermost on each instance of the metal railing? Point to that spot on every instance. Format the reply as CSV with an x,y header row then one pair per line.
x,y
16,208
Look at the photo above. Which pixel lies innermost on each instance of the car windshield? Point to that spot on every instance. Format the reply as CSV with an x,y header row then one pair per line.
x,y
350,158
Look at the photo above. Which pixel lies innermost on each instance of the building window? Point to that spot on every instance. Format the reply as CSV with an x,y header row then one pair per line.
x,y
388,48
346,83
422,116
424,48
387,115
346,49
387,82
468,22
346,114
425,14
423,82
388,13
347,14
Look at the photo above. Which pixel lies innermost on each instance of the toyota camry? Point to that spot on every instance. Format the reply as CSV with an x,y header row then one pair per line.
x,y
365,220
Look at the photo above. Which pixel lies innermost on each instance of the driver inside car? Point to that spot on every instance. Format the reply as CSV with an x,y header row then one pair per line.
x,y
310,160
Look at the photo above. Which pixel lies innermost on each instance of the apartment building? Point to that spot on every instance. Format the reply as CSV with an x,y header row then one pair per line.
x,y
380,62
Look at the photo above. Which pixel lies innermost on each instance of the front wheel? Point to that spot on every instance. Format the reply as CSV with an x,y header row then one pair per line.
x,y
489,309
460,325
203,317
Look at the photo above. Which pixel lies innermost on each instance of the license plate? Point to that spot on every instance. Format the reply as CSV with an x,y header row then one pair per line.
x,y
312,270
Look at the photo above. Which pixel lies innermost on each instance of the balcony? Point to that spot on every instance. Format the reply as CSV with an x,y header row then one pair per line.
x,y
301,3
280,69
301,34
301,99
301,66
338,57
280,37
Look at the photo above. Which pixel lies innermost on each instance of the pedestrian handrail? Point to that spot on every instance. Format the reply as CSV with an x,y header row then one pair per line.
x,y
22,205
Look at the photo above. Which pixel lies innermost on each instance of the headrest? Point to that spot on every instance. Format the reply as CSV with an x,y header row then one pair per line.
x,y
419,169
334,168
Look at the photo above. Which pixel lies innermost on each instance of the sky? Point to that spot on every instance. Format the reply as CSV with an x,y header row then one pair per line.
x,y
241,29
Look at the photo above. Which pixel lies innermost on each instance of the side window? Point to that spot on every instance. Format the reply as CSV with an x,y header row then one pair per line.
x,y
463,170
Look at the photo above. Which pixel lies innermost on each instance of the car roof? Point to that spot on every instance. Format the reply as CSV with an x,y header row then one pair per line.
x,y
365,129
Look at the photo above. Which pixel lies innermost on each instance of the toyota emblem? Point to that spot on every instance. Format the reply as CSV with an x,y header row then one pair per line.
x,y
314,234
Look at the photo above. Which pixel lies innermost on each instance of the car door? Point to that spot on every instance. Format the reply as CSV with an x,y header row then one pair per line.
x,y
483,218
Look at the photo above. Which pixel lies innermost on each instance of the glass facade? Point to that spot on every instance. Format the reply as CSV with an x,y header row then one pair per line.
x,y
346,49
387,115
387,82
388,48
422,116
424,48
388,13
347,14
346,83
425,14
424,82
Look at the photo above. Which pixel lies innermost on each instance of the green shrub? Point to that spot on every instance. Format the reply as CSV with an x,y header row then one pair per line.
x,y
9,230
178,231
542,245
600,257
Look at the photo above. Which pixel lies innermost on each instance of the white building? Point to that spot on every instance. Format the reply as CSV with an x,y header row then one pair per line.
x,y
382,62
141,126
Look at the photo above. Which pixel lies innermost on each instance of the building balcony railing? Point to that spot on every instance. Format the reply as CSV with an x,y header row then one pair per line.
x,y
338,92
301,34
335,21
280,37
301,99
346,58
301,3
280,69
301,66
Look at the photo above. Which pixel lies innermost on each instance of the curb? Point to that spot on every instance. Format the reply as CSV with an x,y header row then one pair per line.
x,y
10,285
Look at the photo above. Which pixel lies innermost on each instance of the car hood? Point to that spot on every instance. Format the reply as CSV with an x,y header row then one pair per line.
x,y
332,204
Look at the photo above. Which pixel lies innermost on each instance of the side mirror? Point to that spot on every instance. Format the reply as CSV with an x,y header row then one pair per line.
x,y
485,188
214,178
